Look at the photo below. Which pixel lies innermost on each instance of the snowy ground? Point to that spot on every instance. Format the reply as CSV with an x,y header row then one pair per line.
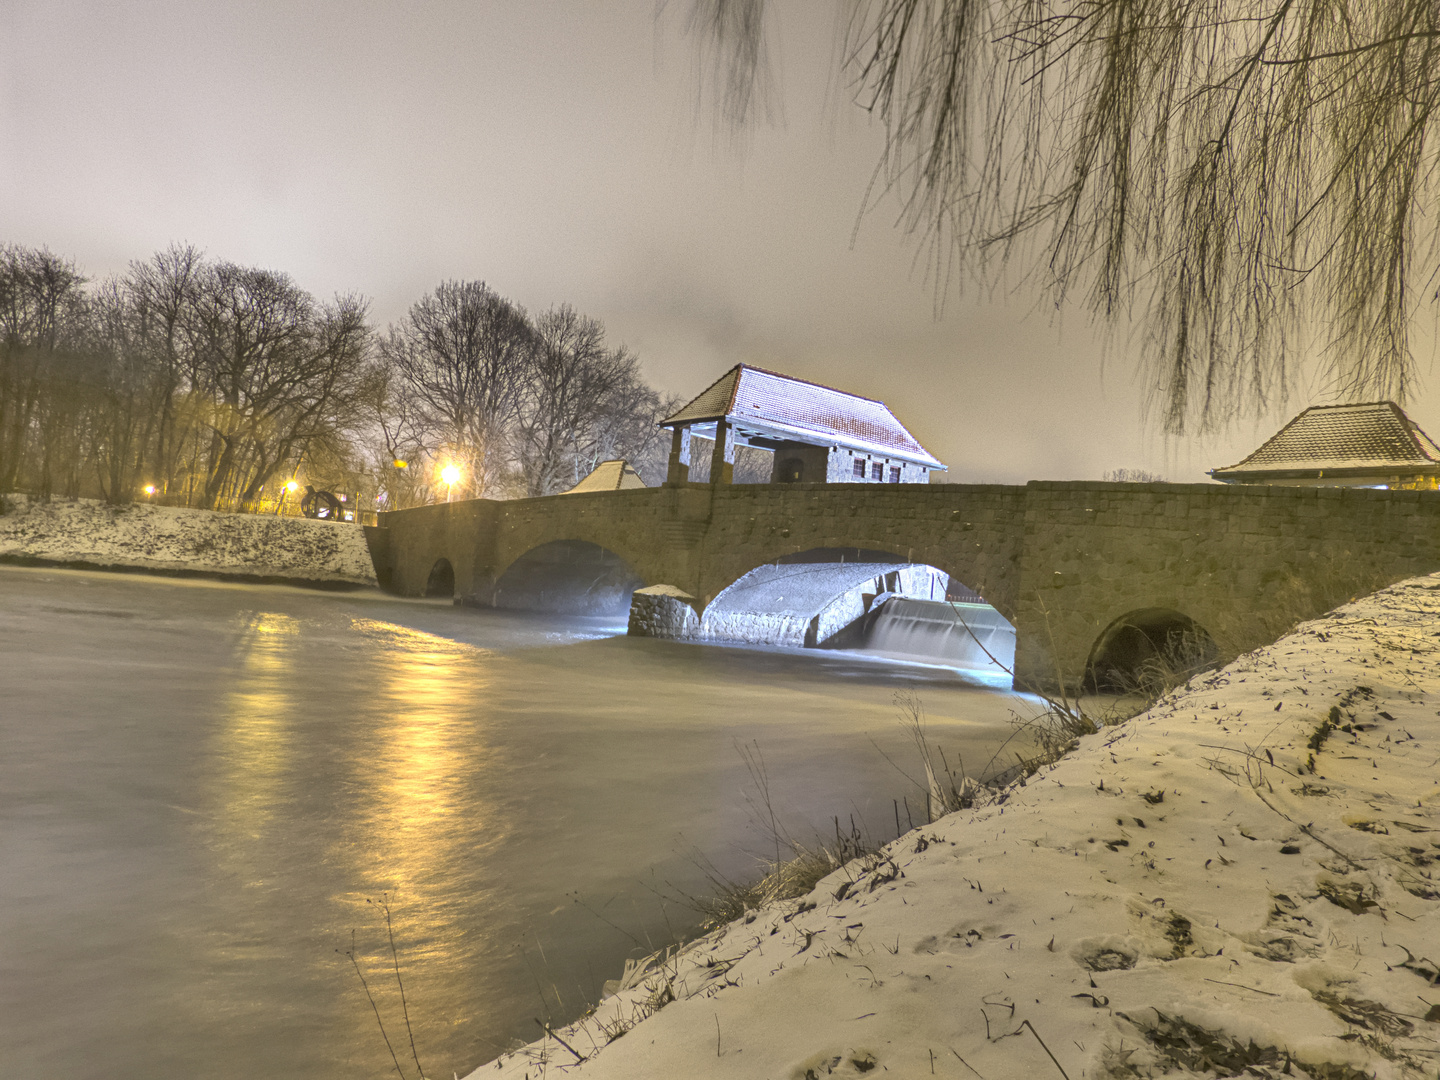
x,y
85,532
1243,881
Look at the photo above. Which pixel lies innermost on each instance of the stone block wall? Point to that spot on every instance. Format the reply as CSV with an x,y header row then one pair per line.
x,y
662,611
1245,562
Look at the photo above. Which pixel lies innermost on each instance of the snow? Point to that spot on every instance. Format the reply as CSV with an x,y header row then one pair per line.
x,y
86,532
1182,892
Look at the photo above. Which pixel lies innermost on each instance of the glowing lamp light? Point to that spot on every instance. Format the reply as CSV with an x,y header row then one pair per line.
x,y
450,474
401,464
292,486
149,489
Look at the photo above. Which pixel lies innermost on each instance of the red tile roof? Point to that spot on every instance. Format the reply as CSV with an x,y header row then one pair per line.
x,y
1372,438
804,411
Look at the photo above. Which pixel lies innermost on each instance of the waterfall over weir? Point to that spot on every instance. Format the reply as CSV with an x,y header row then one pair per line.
x,y
938,632
894,610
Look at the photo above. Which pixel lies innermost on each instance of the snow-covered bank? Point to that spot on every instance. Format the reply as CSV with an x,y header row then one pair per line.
x,y
1243,881
85,532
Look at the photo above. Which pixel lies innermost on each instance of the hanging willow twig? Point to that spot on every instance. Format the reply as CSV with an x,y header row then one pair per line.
x,y
1252,179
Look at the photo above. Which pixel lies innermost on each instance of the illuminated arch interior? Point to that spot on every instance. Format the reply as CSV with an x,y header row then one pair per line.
x,y
568,577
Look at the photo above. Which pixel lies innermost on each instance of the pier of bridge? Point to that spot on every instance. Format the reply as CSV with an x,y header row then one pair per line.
x,y
1065,562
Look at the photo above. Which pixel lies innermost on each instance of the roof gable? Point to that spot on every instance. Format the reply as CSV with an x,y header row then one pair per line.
x,y
613,475
804,411
1374,435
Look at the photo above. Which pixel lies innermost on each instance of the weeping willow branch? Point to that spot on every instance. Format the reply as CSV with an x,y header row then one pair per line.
x,y
1252,180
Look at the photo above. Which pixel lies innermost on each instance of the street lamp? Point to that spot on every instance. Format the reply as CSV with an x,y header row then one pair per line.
x,y
450,474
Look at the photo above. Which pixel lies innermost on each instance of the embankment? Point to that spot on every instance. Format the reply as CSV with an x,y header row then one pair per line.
x,y
169,540
1244,880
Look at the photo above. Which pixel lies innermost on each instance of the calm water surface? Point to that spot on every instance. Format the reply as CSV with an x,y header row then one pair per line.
x,y
203,786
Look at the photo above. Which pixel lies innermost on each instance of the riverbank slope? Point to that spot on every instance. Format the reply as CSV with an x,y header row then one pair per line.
x,y
162,539
1243,880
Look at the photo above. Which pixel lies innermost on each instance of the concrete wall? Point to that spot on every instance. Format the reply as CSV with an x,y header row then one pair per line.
x,y
1060,560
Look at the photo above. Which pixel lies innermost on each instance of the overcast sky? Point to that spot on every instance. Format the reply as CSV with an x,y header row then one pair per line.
x,y
554,149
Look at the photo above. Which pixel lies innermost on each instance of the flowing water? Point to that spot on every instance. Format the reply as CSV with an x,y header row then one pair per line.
x,y
972,636
206,789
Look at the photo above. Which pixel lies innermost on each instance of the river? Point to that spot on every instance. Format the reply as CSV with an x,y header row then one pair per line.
x,y
206,789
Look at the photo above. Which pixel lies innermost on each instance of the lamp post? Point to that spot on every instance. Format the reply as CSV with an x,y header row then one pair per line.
x,y
451,475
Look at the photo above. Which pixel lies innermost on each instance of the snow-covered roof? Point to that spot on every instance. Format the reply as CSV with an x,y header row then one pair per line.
x,y
1366,439
771,405
609,476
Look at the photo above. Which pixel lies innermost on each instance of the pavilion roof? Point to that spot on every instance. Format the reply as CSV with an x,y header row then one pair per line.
x,y
1373,438
613,475
778,406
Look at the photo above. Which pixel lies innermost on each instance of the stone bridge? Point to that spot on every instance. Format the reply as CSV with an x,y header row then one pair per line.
x,y
1065,562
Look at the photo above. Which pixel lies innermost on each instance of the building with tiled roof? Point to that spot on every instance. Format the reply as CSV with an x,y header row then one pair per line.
x,y
1369,445
614,475
817,434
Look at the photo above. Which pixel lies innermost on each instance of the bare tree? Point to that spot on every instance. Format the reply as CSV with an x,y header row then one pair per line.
x,y
210,379
576,396
1256,177
272,367
160,296
123,380
41,302
393,436
628,427
1132,476
464,351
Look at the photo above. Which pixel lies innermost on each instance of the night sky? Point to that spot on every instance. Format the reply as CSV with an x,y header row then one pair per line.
x,y
556,150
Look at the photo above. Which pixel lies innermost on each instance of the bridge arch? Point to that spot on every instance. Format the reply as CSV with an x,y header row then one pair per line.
x,y
855,598
568,577
1146,647
441,582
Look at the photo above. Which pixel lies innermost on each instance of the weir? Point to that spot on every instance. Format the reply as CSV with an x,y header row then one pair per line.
x,y
973,636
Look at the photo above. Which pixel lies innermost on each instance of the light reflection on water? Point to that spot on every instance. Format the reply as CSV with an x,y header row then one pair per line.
x,y
197,808
256,740
424,817
423,685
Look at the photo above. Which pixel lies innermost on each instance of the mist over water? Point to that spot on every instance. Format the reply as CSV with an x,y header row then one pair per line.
x,y
203,785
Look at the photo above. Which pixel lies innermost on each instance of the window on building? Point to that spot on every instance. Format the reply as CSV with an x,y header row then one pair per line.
x,y
894,474
859,469
877,471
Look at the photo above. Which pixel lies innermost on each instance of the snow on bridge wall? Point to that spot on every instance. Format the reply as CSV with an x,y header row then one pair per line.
x,y
1061,560
166,539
